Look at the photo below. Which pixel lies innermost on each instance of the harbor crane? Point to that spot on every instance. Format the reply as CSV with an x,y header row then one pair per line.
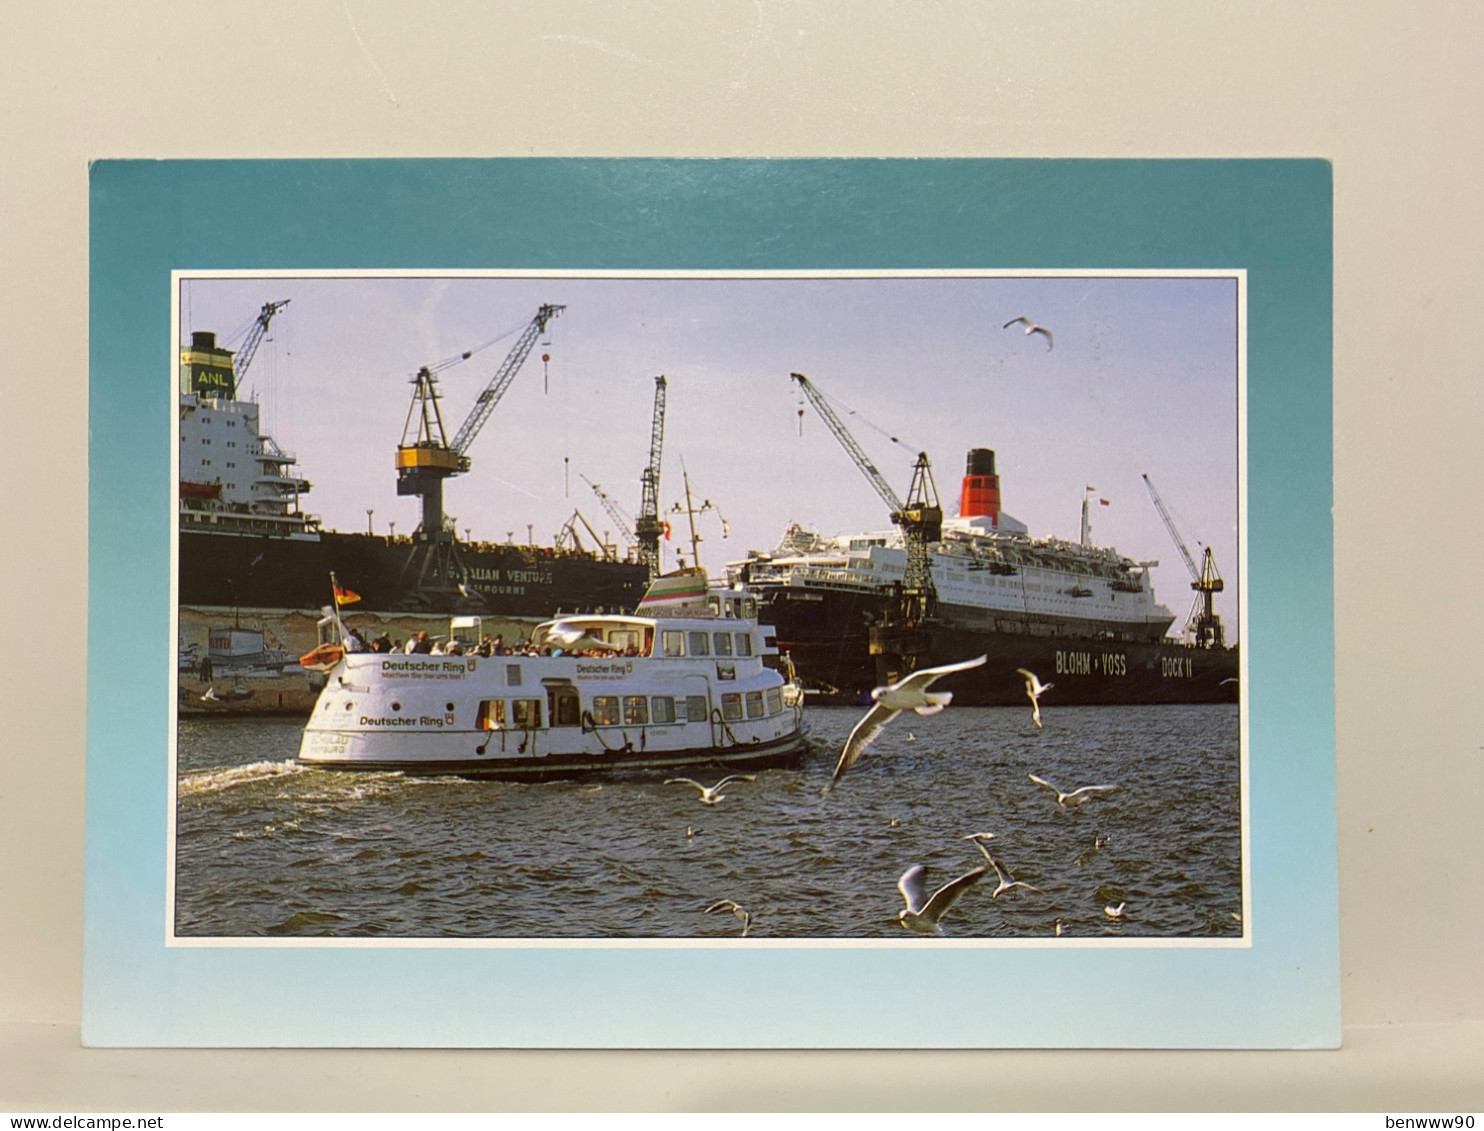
x,y
569,538
619,520
425,457
649,527
259,328
1203,623
920,517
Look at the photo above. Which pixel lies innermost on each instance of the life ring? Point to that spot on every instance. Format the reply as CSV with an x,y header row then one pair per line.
x,y
323,658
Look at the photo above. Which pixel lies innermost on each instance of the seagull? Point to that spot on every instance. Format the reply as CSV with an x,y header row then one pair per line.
x,y
1005,882
923,911
736,909
1030,328
710,795
1034,689
1058,928
910,694
210,696
1076,797
571,638
1115,912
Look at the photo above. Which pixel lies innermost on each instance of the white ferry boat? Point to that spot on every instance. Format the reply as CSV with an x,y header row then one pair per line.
x,y
681,682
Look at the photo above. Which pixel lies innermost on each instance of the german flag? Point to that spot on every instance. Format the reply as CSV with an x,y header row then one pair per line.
x,y
344,596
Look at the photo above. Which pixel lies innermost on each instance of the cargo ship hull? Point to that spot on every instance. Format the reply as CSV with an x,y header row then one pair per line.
x,y
266,572
828,636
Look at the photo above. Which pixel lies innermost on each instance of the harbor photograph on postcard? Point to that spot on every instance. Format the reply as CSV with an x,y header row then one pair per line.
x,y
709,609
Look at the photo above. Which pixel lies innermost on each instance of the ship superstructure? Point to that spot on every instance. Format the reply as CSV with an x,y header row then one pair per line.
x,y
1062,608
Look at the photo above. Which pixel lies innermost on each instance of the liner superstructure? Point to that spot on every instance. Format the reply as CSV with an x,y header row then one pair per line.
x,y
1080,615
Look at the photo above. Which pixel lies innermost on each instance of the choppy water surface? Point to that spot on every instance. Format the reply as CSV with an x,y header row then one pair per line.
x,y
266,847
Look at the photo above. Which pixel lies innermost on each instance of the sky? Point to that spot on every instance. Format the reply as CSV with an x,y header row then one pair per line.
x,y
1142,378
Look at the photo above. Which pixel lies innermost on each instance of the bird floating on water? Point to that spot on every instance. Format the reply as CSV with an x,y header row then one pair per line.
x,y
1034,689
711,794
1076,797
1115,912
1030,328
736,909
1005,882
910,694
923,911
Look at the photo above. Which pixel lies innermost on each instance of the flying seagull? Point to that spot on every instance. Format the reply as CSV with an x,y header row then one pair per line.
x,y
910,694
1076,797
1030,328
710,795
923,911
1005,882
1034,689
736,909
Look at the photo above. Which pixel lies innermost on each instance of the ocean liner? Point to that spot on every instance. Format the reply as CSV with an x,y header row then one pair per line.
x,y
1080,616
247,548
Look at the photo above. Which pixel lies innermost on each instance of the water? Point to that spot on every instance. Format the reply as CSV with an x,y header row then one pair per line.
x,y
268,848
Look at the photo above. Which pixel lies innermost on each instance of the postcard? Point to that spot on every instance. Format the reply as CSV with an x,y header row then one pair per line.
x,y
673,603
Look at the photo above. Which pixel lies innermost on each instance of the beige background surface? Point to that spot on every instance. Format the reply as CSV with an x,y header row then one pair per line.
x,y
1389,91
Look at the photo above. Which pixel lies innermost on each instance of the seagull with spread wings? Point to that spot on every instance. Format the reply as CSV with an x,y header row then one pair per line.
x,y
923,911
910,694
1030,328
1071,799
711,794
1034,689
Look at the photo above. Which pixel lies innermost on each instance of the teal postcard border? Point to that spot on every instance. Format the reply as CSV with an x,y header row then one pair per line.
x,y
1272,218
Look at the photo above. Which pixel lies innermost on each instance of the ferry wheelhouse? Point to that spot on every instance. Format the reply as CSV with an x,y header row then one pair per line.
x,y
687,680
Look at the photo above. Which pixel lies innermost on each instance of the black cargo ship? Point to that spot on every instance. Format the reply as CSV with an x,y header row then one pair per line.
x,y
246,545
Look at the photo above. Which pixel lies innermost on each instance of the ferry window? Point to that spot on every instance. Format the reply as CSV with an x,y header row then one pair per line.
x,y
605,710
491,715
700,645
726,671
775,700
662,708
696,710
512,675
744,643
754,704
623,640
748,608
635,710
731,706
722,643
673,643
526,713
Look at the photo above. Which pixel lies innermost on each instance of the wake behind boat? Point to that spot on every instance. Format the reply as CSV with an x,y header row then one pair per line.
x,y
680,682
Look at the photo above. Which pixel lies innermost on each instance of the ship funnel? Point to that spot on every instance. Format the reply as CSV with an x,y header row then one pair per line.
x,y
203,339
981,491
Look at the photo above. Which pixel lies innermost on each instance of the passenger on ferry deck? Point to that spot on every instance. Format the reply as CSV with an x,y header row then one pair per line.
x,y
354,641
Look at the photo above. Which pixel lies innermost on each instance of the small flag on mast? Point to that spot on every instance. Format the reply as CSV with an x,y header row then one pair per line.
x,y
343,596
